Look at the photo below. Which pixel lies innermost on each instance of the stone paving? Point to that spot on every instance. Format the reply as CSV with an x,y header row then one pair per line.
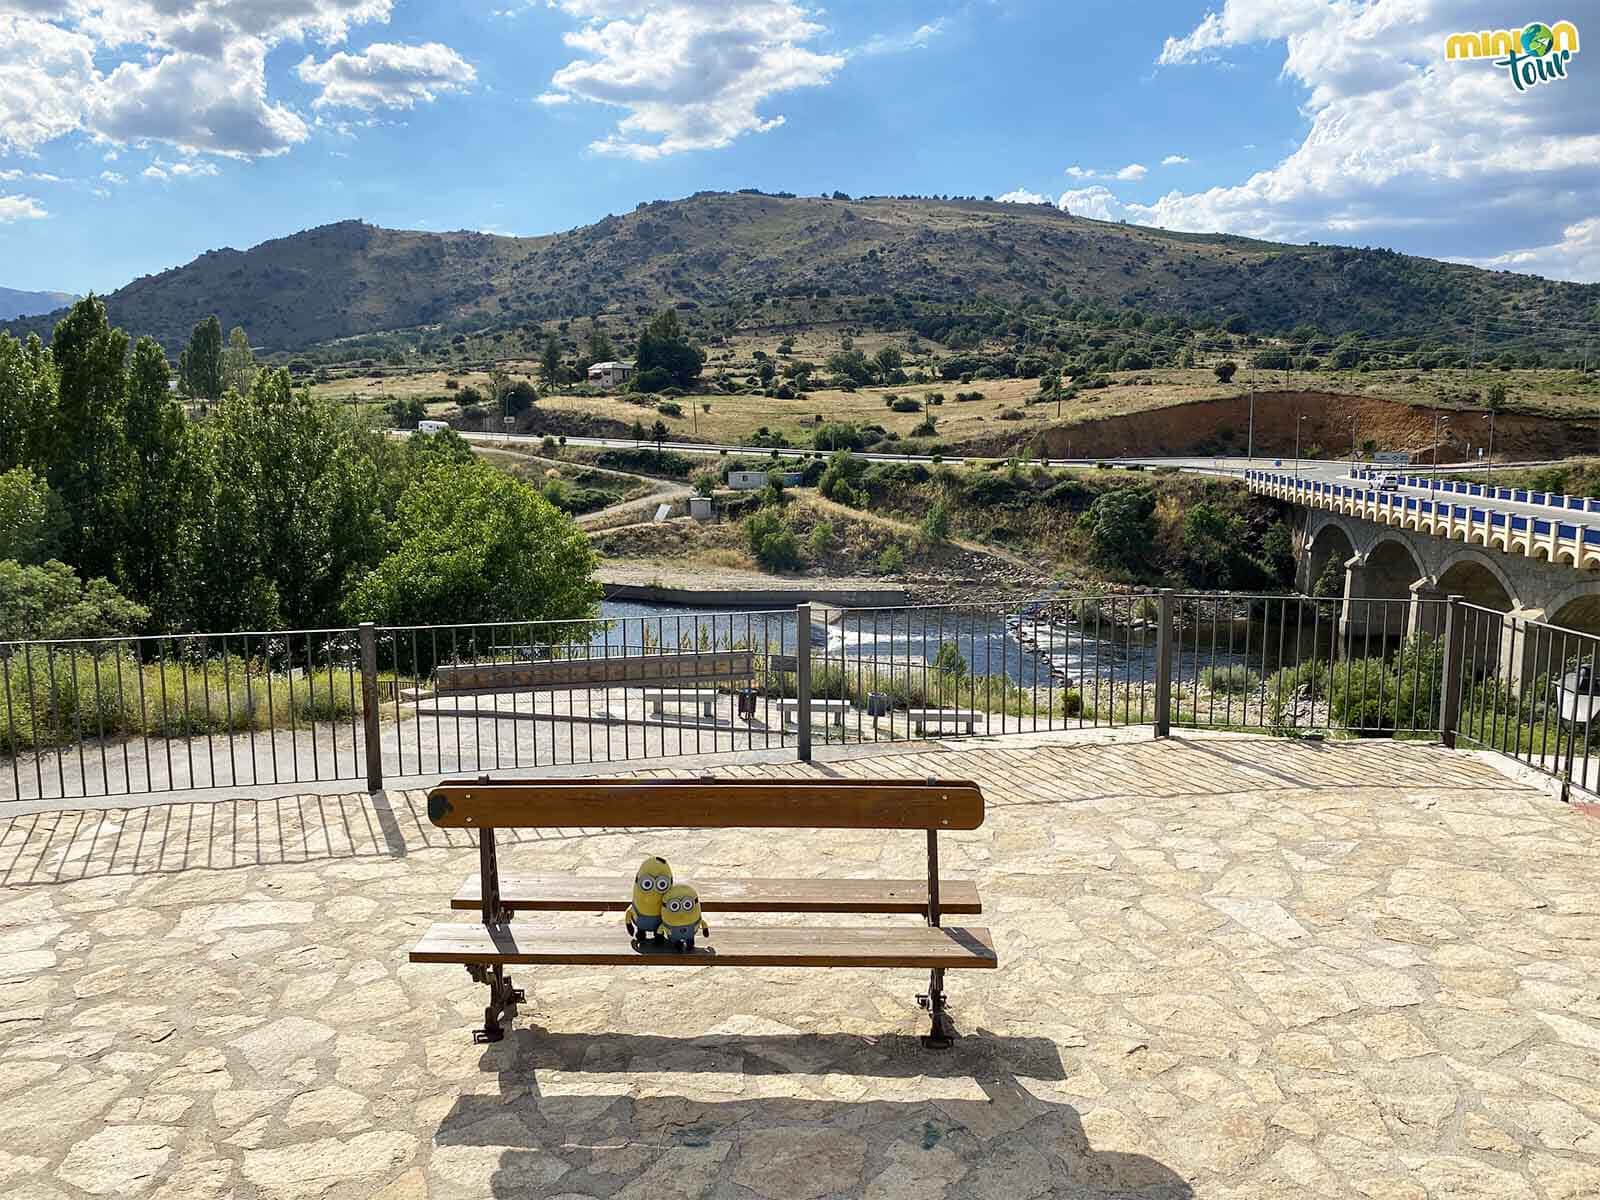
x,y
1230,967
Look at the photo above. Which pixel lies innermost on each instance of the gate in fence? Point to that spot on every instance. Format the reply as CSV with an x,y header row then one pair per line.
x,y
279,708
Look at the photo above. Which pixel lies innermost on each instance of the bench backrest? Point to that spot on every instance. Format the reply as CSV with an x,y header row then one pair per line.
x,y
707,804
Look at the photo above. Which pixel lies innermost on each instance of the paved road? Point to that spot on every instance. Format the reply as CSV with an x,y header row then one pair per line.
x,y
1306,468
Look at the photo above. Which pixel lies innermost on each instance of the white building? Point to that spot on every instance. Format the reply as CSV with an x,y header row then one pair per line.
x,y
611,374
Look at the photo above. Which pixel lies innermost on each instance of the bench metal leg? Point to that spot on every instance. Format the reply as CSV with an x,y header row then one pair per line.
x,y
943,1033
503,1001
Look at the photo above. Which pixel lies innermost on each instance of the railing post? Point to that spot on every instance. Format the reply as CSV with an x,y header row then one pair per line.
x,y
1450,684
1164,644
369,703
802,679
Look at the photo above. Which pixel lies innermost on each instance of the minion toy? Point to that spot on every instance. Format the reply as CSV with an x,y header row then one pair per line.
x,y
680,917
650,884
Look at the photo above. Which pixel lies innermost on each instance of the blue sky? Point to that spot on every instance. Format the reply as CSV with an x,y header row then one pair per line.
x,y
136,134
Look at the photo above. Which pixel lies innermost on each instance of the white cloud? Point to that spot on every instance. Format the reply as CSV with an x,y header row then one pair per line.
x,y
11,174
1097,202
691,74
385,75
551,99
44,71
1575,256
192,74
1174,160
1404,146
193,168
113,177
1128,174
917,39
1023,196
20,208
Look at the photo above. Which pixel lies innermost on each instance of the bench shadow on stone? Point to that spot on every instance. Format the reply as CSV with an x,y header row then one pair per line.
x,y
971,1104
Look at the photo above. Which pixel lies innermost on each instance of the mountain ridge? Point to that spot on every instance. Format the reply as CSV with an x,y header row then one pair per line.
x,y
735,251
17,303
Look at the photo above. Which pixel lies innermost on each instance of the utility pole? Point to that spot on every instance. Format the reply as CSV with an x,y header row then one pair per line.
x,y
1250,447
1353,420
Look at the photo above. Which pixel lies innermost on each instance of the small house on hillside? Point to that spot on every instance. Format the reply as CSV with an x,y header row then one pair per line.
x,y
611,374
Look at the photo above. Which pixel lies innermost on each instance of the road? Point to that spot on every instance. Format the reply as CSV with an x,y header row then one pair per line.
x,y
1236,466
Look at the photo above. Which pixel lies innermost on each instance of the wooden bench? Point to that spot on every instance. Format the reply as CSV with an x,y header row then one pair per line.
x,y
789,710
939,717
704,698
488,947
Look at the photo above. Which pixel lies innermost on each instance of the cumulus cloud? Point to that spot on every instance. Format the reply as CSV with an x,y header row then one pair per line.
x,y
1097,202
385,75
192,74
690,74
185,169
1023,196
1405,147
1174,160
1128,174
20,208
113,177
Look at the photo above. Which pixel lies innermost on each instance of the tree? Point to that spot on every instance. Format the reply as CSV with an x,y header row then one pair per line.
x,y
238,363
663,346
152,493
599,347
658,434
91,465
1496,398
471,543
28,434
1211,539
200,364
50,601
888,362
1121,527
1225,371
33,521
850,366
550,360
935,527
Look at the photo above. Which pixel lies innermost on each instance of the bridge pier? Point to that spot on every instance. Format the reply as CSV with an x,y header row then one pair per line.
x,y
1427,614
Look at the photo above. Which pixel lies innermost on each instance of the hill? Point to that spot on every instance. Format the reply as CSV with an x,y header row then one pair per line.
x,y
14,303
878,260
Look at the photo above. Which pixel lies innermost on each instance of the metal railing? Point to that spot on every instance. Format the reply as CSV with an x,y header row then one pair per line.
x,y
144,715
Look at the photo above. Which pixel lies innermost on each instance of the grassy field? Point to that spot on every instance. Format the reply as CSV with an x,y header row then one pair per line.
x,y
1012,409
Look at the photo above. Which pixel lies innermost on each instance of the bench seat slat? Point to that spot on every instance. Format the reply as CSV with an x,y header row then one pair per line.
x,y
569,893
916,946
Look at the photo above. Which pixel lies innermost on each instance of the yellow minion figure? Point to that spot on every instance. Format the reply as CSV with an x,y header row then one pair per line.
x,y
650,884
680,917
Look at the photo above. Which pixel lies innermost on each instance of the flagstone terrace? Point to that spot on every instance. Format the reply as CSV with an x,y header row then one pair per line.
x,y
1230,966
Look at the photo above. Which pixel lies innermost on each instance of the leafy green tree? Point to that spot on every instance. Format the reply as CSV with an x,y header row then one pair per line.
x,y
599,345
888,363
152,491
238,363
658,434
935,527
89,470
200,364
50,601
663,346
1225,371
772,543
28,435
33,521
850,366
470,543
1496,398
1211,541
1121,527
287,505
447,447
550,361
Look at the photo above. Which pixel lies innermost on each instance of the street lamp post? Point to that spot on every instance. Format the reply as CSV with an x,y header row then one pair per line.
x,y
1489,471
1298,422
1353,421
1438,424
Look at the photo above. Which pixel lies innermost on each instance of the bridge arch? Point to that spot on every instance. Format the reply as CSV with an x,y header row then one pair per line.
x,y
1481,580
1578,607
1391,567
1330,543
